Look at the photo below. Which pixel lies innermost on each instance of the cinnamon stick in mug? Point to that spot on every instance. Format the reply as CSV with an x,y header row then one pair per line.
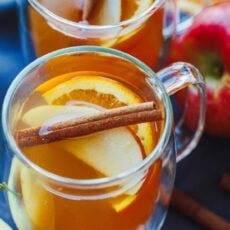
x,y
104,120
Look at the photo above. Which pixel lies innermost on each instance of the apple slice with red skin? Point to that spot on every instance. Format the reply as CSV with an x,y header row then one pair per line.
x,y
206,44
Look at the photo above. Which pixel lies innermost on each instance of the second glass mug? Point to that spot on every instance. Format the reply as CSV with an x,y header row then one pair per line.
x,y
141,30
48,191
187,10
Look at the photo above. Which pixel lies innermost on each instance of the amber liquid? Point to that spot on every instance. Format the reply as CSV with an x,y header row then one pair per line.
x,y
144,42
46,209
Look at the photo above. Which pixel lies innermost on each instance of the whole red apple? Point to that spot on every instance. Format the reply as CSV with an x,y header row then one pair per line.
x,y
206,44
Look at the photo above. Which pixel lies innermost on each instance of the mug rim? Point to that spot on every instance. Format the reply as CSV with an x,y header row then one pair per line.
x,y
46,12
155,154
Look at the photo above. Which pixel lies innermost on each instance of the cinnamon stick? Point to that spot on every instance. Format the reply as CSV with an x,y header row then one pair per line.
x,y
191,208
146,106
225,182
104,120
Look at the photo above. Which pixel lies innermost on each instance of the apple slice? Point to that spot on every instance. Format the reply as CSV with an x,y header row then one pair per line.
x,y
109,152
142,6
4,225
15,203
39,203
34,200
49,114
106,12
117,150
131,30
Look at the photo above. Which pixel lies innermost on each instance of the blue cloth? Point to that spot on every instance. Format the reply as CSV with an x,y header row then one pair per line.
x,y
10,65
198,175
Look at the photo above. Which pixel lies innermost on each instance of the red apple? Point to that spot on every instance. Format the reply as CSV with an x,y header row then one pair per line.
x,y
206,44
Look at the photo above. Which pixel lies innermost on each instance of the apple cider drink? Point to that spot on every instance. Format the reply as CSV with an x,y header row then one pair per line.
x,y
102,23
68,93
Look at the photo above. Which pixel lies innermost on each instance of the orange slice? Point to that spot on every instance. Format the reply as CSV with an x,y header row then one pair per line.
x,y
94,89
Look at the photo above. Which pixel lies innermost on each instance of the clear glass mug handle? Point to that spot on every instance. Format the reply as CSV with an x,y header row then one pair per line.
x,y
176,77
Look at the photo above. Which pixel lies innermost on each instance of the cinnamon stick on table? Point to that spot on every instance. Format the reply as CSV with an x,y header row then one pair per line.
x,y
191,208
108,119
225,182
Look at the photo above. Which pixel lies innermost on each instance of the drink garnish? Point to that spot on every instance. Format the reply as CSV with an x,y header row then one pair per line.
x,y
103,120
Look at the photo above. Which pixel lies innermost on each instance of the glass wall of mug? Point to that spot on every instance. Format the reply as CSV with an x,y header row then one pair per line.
x,y
138,27
116,179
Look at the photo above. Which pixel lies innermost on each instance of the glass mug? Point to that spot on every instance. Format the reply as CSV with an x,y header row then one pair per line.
x,y
188,9
140,29
125,176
